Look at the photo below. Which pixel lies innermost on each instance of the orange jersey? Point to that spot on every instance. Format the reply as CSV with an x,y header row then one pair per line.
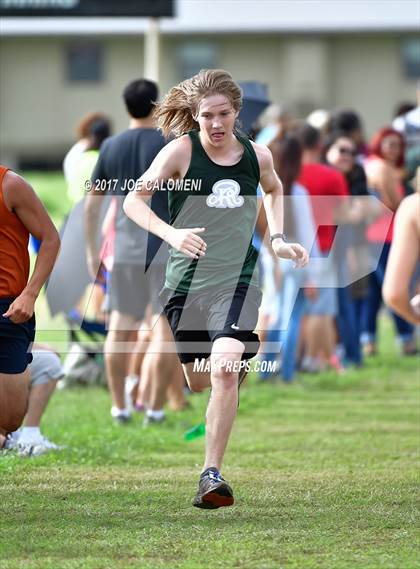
x,y
14,255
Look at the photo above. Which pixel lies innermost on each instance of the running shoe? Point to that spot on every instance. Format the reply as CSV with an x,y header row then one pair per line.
x,y
213,491
35,446
150,420
120,416
409,348
12,440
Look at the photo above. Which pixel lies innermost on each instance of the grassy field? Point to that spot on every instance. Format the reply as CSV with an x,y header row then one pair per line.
x,y
325,474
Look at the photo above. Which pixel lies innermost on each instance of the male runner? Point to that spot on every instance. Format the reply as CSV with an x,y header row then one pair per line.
x,y
21,214
210,290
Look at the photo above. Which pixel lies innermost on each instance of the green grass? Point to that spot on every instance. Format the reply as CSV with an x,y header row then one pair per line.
x,y
51,189
325,473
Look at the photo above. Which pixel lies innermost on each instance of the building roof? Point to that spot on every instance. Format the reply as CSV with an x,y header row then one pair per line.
x,y
240,16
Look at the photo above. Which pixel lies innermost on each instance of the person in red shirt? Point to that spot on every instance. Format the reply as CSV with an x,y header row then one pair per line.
x,y
21,214
327,187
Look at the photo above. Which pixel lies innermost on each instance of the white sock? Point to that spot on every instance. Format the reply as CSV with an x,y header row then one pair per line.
x,y
115,412
29,433
158,414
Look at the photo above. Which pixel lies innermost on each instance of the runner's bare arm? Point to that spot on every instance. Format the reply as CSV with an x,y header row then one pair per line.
x,y
383,178
272,190
273,205
403,258
21,198
171,162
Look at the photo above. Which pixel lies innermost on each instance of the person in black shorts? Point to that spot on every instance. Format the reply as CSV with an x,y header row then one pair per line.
x,y
21,214
211,294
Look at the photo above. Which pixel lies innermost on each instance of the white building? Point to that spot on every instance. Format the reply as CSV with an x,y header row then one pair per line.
x,y
363,54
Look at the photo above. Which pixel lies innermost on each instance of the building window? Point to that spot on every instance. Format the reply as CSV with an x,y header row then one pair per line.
x,y
194,56
84,62
410,50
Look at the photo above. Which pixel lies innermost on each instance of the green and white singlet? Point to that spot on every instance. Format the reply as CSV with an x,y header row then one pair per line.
x,y
223,200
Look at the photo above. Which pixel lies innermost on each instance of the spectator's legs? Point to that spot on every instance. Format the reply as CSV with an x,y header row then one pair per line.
x,y
134,367
371,307
290,336
175,392
287,299
347,325
272,337
116,347
312,339
159,365
406,334
145,387
98,296
38,401
320,339
359,307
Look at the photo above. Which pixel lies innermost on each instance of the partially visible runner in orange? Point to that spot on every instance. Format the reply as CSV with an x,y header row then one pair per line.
x,y
21,214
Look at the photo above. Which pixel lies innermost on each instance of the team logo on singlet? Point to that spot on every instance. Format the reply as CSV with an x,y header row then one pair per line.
x,y
225,194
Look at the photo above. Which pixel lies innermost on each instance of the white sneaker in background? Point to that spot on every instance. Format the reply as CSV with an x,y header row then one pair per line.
x,y
120,415
35,446
154,417
311,365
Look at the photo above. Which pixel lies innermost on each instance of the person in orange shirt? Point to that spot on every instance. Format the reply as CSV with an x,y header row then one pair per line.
x,y
21,214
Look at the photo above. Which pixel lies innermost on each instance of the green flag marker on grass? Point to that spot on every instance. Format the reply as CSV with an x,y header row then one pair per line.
x,y
195,433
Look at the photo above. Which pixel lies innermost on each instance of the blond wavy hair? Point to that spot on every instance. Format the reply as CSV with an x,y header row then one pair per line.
x,y
175,113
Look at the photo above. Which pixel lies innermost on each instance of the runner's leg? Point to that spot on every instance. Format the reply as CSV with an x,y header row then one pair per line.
x,y
197,380
221,411
14,396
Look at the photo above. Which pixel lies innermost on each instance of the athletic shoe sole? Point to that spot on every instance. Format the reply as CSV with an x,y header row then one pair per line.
x,y
219,497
